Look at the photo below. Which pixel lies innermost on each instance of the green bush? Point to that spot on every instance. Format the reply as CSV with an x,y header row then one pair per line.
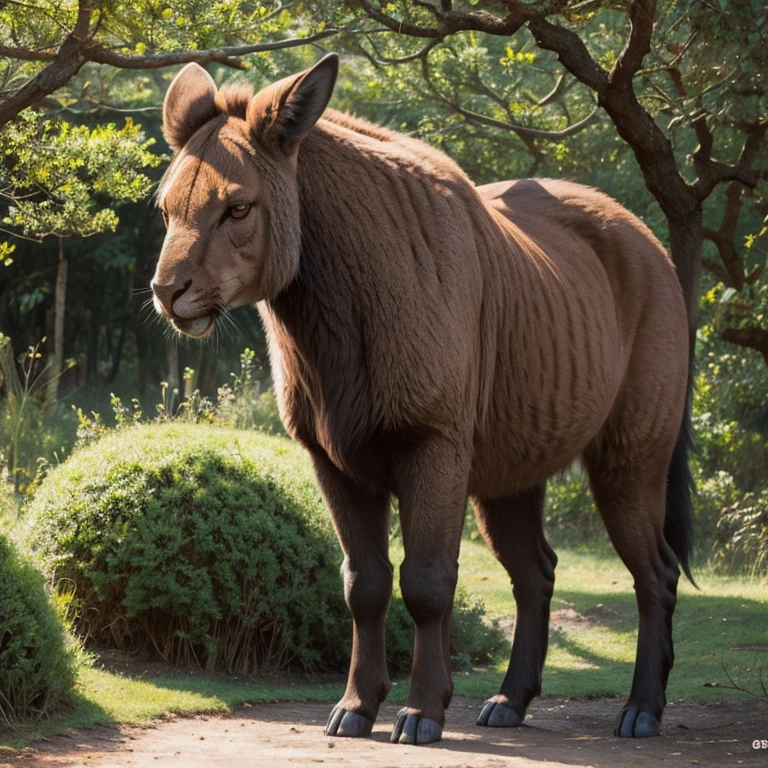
x,y
36,660
742,536
475,640
211,545
8,508
569,510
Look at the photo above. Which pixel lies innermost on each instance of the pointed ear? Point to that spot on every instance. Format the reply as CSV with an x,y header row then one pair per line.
x,y
282,113
189,104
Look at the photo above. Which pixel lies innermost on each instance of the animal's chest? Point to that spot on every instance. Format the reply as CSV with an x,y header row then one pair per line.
x,y
322,392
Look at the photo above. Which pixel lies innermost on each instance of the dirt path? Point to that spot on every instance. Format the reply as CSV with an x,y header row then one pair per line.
x,y
559,733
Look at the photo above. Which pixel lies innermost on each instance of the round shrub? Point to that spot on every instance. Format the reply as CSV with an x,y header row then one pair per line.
x,y
475,640
36,661
211,545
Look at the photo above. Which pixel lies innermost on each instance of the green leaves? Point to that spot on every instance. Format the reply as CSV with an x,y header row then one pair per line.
x,y
61,179
36,660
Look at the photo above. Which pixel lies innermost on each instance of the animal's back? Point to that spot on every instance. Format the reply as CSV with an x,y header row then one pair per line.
x,y
586,293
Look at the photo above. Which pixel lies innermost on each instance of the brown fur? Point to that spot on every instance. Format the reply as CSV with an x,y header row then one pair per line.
x,y
436,341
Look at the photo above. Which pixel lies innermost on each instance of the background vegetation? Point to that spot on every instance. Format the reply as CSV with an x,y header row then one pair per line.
x,y
660,104
37,660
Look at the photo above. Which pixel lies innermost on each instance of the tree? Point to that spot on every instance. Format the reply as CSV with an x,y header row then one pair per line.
x,y
49,41
684,88
67,56
60,180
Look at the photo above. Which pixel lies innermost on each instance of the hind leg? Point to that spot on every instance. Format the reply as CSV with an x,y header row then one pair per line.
x,y
631,500
512,528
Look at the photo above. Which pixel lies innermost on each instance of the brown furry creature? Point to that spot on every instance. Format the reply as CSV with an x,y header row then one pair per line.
x,y
435,341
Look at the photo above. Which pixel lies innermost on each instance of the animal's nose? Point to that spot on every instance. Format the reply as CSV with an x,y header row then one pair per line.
x,y
167,294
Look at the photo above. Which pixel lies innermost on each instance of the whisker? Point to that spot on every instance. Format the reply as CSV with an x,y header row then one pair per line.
x,y
227,333
229,320
235,324
230,327
147,313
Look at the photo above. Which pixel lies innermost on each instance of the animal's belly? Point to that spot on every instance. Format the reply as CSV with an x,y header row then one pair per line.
x,y
541,418
513,458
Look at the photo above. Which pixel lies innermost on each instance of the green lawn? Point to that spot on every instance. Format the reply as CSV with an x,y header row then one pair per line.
x,y
584,661
598,659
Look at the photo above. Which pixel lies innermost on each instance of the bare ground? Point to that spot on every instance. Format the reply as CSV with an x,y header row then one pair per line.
x,y
558,733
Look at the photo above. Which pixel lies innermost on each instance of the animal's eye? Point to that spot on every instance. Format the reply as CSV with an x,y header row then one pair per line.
x,y
239,210
165,217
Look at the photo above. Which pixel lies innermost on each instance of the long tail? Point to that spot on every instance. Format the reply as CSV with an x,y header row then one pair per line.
x,y
678,519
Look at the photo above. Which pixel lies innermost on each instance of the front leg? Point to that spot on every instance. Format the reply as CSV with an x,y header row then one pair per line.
x,y
433,494
361,520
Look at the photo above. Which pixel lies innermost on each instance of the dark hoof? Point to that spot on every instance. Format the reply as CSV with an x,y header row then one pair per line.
x,y
636,724
498,715
344,723
415,729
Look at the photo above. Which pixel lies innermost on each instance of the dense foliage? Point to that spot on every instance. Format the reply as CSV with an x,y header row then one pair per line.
x,y
36,659
211,546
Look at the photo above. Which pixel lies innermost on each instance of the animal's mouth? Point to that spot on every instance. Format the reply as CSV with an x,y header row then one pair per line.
x,y
197,327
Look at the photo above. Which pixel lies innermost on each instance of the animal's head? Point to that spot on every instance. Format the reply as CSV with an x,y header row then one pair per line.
x,y
230,197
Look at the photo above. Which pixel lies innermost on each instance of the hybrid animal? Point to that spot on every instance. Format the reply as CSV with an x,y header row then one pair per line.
x,y
435,341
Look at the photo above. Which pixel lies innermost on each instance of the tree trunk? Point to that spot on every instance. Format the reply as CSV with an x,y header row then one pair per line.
x,y
60,308
94,334
174,378
686,244
117,352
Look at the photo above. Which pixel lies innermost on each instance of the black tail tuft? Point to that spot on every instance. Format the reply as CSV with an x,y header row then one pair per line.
x,y
678,520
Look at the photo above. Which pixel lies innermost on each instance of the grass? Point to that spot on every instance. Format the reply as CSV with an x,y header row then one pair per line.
x,y
586,660
597,659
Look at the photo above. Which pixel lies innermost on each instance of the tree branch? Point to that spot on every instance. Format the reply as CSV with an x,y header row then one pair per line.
x,y
641,17
712,172
401,27
65,65
571,52
752,337
24,54
554,94
724,237
80,47
225,55
523,132
448,21
384,61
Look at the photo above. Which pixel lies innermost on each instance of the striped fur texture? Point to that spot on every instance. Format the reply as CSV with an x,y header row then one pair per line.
x,y
437,342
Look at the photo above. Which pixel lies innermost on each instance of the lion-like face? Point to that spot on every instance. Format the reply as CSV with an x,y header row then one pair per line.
x,y
230,196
